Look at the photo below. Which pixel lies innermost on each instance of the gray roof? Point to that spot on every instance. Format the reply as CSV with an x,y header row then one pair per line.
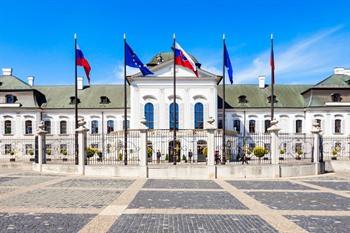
x,y
13,83
335,81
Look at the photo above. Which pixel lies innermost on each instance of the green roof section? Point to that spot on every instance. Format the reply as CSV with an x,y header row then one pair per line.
x,y
287,96
13,83
90,97
335,81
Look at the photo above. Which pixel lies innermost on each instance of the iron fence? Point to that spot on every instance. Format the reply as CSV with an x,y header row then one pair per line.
x,y
190,147
295,148
60,149
335,147
17,149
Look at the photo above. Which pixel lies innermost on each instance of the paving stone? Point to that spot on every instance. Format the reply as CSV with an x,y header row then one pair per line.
x,y
320,224
6,190
30,173
22,181
186,223
94,183
302,200
332,185
64,198
185,200
181,184
36,223
241,184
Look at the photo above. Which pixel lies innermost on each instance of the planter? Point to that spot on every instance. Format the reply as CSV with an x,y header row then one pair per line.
x,y
265,158
48,159
281,158
31,159
99,159
12,160
64,159
334,158
298,158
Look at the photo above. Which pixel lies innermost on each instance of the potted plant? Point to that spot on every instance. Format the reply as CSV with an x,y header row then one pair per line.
x,y
259,152
31,153
266,152
299,153
149,154
166,157
90,152
335,152
99,154
184,158
120,156
282,152
64,153
48,151
12,159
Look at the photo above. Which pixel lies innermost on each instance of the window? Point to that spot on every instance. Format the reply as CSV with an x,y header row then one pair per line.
x,y
237,126
337,126
251,126
242,99
198,116
171,116
8,149
127,124
48,126
267,125
274,98
336,97
149,115
29,149
10,99
28,127
8,127
94,127
298,126
72,100
110,126
104,100
63,127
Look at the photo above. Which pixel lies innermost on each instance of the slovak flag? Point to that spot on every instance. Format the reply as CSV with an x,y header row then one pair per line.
x,y
183,59
81,61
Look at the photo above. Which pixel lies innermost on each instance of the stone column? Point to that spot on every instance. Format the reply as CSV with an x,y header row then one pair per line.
x,y
143,148
82,135
41,144
316,130
212,169
273,130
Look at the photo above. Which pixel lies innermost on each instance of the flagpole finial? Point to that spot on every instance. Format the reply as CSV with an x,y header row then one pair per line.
x,y
174,36
271,36
75,36
124,36
223,36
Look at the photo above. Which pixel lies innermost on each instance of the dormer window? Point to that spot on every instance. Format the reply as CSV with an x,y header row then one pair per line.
x,y
10,99
72,100
274,98
336,97
242,99
104,100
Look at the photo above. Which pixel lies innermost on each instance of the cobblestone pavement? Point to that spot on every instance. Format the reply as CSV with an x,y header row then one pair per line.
x,y
34,202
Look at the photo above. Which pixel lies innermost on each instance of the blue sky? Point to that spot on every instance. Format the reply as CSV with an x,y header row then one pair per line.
x,y
311,37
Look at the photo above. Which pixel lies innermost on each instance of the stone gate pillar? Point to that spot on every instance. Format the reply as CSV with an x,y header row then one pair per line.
x,y
274,141
316,130
82,145
41,145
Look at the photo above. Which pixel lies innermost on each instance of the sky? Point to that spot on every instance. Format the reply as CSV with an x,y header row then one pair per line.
x,y
311,37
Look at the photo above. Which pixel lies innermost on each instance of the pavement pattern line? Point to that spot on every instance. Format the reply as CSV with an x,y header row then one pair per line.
x,y
323,189
279,222
49,210
181,190
105,219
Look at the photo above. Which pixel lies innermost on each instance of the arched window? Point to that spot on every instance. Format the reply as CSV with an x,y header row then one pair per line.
x,y
237,126
94,127
198,116
10,99
337,126
63,127
110,126
8,127
48,126
171,116
298,126
28,127
251,126
267,124
149,115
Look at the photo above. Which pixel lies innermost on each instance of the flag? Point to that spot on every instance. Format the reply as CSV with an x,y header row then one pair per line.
x,y
272,62
81,61
132,60
183,59
227,63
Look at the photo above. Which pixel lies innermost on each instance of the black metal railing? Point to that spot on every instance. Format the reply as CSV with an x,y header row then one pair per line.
x,y
295,148
17,149
60,149
335,147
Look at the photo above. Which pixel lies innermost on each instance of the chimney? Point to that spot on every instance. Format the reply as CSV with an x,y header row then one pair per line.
x,y
7,71
31,80
339,70
261,81
80,83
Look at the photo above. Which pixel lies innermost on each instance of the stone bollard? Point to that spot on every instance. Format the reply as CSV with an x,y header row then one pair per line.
x,y
82,146
41,145
274,146
143,148
212,173
316,130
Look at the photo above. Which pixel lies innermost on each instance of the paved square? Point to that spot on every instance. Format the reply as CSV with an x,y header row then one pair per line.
x,y
185,200
339,185
22,181
267,185
64,198
151,223
94,183
181,184
302,200
322,224
35,223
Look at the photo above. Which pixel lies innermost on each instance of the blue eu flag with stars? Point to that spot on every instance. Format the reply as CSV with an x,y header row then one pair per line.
x,y
132,60
227,63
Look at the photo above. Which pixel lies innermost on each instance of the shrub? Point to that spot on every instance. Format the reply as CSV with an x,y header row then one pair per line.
x,y
205,151
335,152
120,156
31,152
184,158
282,151
90,152
259,151
149,152
166,157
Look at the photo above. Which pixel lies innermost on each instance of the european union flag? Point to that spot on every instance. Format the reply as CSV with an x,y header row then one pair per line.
x,y
132,60
227,63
